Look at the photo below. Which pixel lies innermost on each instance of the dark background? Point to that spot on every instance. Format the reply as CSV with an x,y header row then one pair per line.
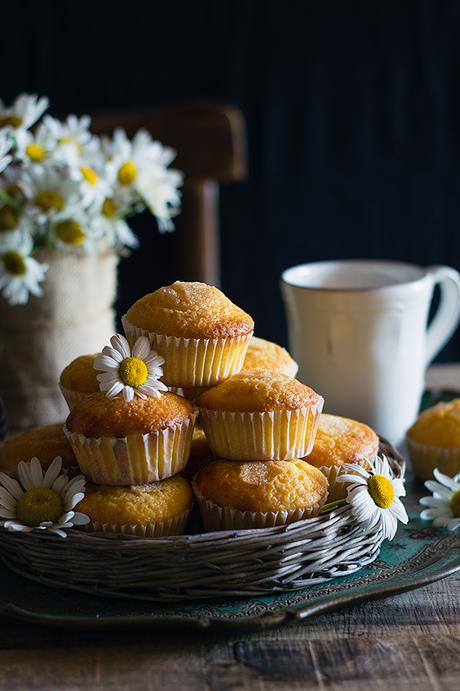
x,y
352,111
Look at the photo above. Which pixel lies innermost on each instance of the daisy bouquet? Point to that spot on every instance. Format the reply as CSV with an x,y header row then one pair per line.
x,y
63,188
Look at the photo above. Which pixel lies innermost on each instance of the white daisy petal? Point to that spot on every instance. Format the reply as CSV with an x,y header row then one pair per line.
x,y
438,490
6,499
7,513
24,475
141,348
128,393
52,472
104,363
115,389
81,518
397,508
445,480
36,472
59,484
120,343
13,486
113,354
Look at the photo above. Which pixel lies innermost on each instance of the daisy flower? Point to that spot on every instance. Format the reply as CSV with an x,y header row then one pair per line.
x,y
48,193
158,188
34,148
90,173
374,496
20,274
74,231
71,138
5,146
41,501
23,113
133,372
110,223
444,502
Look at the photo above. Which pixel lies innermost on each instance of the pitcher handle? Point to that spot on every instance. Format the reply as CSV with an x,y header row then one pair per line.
x,y
447,316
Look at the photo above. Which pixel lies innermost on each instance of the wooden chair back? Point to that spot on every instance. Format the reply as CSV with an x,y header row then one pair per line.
x,y
210,140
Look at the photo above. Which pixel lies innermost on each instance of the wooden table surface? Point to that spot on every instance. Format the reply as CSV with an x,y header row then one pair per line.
x,y
409,641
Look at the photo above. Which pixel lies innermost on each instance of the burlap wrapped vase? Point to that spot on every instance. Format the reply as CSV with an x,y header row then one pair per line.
x,y
37,340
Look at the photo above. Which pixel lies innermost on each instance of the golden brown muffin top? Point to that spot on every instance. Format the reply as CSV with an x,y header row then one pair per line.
x,y
80,375
139,504
341,440
438,426
260,390
262,485
262,354
45,443
190,310
200,453
100,416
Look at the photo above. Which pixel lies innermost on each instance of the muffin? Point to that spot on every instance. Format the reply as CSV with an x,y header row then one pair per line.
x,y
201,334
260,416
131,443
340,440
154,510
45,443
200,454
433,441
235,494
79,379
262,354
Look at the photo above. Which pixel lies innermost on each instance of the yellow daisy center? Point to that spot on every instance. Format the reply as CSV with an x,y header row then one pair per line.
x,y
49,199
381,491
70,140
127,173
8,218
70,232
35,152
90,176
455,503
133,372
14,263
11,121
39,504
109,208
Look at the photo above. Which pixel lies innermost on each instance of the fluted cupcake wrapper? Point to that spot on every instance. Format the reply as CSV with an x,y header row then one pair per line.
x,y
276,435
217,517
172,526
134,460
337,490
194,362
424,459
72,397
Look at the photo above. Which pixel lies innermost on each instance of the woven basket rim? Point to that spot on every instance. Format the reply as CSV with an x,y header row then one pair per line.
x,y
76,535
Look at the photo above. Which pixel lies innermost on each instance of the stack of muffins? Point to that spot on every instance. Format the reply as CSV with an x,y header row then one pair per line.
x,y
246,455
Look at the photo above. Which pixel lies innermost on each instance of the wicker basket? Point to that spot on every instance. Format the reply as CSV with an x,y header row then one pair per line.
x,y
188,567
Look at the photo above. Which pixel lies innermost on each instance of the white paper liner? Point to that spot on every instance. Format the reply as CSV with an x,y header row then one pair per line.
x,y
277,435
217,517
72,397
137,459
173,526
424,459
194,362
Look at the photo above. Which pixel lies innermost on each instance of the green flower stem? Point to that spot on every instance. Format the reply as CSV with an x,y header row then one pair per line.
x,y
327,508
7,199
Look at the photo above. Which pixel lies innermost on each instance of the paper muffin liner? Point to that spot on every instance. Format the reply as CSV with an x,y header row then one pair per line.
x,y
134,460
337,490
173,526
217,517
194,362
277,435
424,459
72,397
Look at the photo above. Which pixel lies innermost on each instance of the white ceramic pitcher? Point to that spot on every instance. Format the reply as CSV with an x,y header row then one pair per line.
x,y
359,331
